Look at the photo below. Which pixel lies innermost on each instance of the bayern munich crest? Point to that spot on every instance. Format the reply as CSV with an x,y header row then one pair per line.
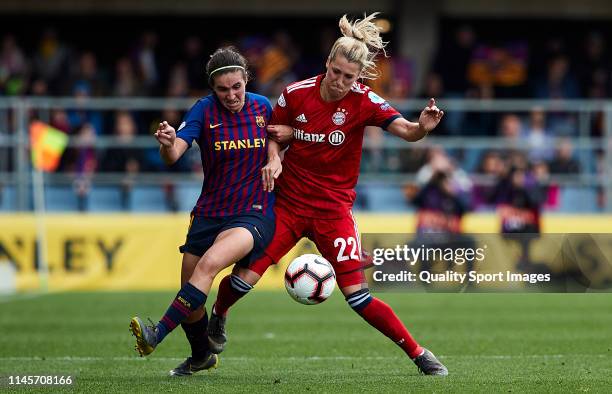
x,y
339,117
336,137
281,101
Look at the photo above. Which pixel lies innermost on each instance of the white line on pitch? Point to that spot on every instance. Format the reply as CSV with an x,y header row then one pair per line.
x,y
5,299
311,358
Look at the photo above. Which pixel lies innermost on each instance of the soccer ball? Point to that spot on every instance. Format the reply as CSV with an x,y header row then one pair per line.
x,y
310,279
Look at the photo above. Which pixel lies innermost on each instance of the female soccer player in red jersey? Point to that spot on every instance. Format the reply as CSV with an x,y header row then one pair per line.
x,y
315,192
233,220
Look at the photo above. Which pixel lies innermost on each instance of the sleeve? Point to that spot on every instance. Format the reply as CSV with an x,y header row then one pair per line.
x,y
282,111
378,111
193,123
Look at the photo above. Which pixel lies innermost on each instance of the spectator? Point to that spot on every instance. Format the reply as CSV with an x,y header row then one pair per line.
x,y
82,162
452,60
559,82
81,159
502,66
14,68
87,78
439,162
539,140
51,60
178,82
548,189
490,169
192,58
432,87
440,210
439,206
451,64
510,129
276,62
80,116
479,122
373,157
39,87
519,198
124,158
126,82
396,78
145,57
594,68
60,121
564,161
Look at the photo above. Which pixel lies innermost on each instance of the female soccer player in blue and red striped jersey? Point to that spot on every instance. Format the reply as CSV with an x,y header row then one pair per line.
x,y
233,220
328,114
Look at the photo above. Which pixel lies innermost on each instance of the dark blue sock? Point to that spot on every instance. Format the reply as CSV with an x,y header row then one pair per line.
x,y
197,336
187,300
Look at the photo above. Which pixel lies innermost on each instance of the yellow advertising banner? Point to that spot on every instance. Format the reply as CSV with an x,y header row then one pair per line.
x,y
140,252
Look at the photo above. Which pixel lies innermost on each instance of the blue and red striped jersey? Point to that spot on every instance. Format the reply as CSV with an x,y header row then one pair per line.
x,y
233,150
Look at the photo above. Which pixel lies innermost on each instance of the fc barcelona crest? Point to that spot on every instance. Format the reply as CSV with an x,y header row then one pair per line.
x,y
259,120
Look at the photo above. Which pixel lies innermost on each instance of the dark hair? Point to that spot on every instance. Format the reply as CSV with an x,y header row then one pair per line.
x,y
226,57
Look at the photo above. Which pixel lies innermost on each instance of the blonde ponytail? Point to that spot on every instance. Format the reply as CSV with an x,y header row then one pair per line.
x,y
361,43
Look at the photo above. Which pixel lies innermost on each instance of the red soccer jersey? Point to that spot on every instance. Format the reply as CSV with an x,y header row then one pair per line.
x,y
321,166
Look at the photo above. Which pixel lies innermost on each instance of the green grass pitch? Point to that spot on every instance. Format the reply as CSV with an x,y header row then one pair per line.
x,y
489,342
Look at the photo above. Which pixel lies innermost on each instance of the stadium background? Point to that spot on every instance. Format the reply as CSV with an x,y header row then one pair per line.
x,y
105,72
78,66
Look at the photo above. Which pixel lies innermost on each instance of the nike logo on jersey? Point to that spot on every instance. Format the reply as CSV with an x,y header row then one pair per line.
x,y
214,126
301,118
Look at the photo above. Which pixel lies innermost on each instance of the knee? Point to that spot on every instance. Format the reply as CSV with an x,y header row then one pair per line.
x,y
246,275
239,285
209,266
359,299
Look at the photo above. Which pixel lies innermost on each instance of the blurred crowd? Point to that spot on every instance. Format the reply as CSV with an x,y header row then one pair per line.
x,y
55,68
537,144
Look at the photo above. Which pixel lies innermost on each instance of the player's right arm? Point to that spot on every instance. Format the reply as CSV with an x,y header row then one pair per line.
x,y
172,143
170,148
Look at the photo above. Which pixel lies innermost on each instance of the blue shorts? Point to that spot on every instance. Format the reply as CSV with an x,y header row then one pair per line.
x,y
204,230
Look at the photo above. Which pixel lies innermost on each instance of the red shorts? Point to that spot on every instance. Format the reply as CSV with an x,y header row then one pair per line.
x,y
336,239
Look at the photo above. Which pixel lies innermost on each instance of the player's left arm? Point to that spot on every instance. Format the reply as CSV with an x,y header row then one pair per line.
x,y
412,131
273,168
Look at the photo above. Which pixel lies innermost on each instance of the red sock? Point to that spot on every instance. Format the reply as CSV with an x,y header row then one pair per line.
x,y
231,289
382,317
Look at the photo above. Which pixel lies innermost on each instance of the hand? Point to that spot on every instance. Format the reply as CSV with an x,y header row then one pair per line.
x,y
165,134
270,172
280,133
430,116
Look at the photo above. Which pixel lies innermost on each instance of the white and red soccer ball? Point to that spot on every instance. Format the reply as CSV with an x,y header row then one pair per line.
x,y
310,279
